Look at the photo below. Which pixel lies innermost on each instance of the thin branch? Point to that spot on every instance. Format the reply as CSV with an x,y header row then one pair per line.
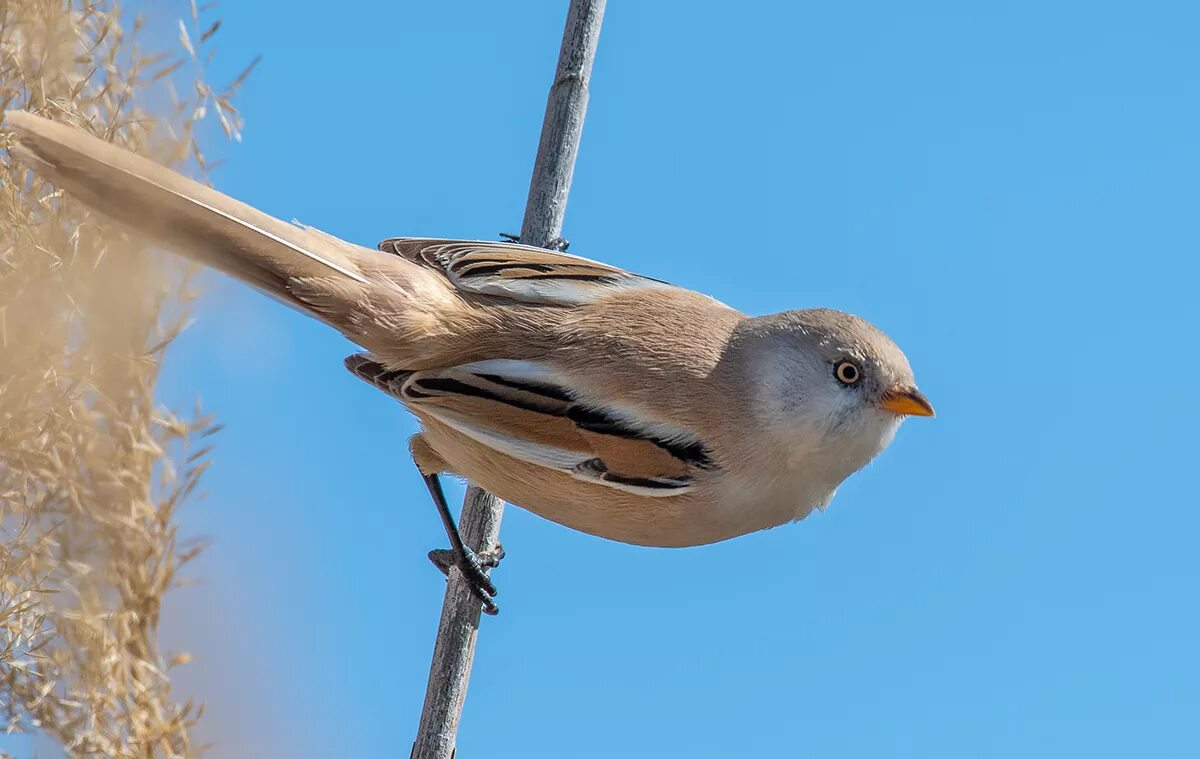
x,y
549,187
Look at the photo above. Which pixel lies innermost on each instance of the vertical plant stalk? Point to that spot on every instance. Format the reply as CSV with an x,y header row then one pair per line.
x,y
479,523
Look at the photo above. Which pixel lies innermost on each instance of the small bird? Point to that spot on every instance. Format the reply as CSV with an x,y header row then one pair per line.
x,y
606,401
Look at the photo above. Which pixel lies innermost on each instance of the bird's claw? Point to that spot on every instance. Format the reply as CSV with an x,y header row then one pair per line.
x,y
559,244
473,567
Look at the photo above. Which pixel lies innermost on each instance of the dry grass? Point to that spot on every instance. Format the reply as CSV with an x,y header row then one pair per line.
x,y
92,472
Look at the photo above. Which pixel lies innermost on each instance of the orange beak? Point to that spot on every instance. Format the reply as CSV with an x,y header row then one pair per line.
x,y
906,401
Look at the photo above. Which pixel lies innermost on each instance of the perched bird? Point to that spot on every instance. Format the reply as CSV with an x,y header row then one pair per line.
x,y
609,402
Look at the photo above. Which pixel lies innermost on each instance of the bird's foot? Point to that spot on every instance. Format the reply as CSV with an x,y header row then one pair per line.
x,y
473,567
558,243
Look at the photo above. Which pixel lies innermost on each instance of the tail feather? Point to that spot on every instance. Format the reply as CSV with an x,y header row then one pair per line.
x,y
404,313
184,215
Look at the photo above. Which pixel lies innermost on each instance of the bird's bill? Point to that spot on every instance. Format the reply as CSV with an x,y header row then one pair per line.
x,y
906,401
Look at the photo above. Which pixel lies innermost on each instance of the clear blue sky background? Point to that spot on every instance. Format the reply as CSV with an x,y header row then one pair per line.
x,y
1010,192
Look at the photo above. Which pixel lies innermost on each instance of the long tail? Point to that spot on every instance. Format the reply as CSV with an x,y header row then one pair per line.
x,y
185,216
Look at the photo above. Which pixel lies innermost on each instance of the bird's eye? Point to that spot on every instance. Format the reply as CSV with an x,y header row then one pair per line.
x,y
847,373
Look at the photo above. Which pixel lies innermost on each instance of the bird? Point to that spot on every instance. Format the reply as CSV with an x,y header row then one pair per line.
x,y
610,402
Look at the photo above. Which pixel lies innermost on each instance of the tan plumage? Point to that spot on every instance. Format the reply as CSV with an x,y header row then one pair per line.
x,y
612,403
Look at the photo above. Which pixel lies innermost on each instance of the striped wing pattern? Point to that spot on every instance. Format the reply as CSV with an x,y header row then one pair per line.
x,y
518,272
517,408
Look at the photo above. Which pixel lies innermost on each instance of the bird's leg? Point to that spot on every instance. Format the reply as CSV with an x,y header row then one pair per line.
x,y
558,243
472,565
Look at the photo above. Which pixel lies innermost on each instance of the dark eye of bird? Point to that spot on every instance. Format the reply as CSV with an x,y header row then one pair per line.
x,y
847,373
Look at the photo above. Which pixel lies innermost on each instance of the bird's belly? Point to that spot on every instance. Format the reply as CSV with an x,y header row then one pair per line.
x,y
671,521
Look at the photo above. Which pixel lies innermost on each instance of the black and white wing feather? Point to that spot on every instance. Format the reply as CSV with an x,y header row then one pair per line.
x,y
521,409
518,272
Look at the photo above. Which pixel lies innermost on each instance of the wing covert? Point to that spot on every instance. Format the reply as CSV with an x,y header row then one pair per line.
x,y
521,409
518,272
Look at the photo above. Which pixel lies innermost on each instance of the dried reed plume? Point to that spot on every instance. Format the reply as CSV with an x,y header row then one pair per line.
x,y
92,473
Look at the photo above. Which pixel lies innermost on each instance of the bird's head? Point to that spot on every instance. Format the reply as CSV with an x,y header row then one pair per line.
x,y
831,388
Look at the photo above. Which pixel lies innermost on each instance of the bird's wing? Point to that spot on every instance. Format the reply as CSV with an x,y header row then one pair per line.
x,y
523,410
518,272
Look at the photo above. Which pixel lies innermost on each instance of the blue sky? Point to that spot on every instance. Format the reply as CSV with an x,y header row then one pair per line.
x,y
1009,191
